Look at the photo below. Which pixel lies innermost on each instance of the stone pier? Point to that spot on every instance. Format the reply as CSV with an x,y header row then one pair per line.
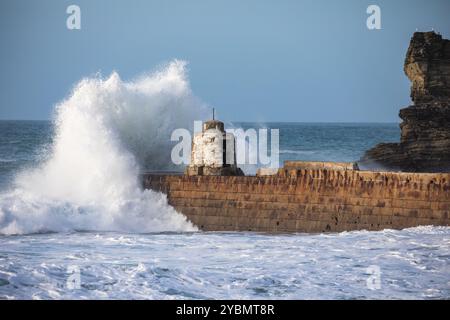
x,y
311,197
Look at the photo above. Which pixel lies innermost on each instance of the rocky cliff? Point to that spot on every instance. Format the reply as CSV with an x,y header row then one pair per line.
x,y
425,131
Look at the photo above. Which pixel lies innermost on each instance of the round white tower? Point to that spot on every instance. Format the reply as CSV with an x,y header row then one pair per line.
x,y
213,152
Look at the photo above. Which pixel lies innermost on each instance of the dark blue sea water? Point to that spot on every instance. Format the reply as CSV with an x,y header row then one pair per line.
x,y
61,239
22,144
328,141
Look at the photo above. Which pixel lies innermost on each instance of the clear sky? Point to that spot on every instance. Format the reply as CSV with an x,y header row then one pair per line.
x,y
260,60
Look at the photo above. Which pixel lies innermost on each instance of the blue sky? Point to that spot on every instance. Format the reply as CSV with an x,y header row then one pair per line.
x,y
255,60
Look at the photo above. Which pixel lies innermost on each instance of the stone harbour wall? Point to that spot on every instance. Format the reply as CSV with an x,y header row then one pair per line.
x,y
308,200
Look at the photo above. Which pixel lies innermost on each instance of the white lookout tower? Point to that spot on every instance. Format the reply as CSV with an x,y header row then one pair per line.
x,y
213,152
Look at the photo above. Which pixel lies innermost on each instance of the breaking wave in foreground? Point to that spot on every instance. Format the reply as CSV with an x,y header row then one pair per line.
x,y
105,132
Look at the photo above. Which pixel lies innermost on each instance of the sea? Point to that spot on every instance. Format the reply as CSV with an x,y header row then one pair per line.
x,y
103,264
75,223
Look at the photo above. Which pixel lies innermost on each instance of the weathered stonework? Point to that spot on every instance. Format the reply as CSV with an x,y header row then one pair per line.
x,y
425,131
193,170
292,165
213,152
309,200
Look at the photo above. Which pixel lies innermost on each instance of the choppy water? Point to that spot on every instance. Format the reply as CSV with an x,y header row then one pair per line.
x,y
413,263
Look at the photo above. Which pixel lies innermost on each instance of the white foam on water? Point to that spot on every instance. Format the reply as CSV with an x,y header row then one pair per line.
x,y
413,264
106,132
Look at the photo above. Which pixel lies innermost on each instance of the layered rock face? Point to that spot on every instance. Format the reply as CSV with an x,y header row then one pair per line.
x,y
425,131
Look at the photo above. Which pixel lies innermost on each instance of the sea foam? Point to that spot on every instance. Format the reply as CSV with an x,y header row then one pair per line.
x,y
106,132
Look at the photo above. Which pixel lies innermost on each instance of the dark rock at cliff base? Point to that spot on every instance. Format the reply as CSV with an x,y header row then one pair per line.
x,y
425,131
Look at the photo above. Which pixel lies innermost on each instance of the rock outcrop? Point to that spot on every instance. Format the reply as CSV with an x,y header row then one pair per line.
x,y
425,131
